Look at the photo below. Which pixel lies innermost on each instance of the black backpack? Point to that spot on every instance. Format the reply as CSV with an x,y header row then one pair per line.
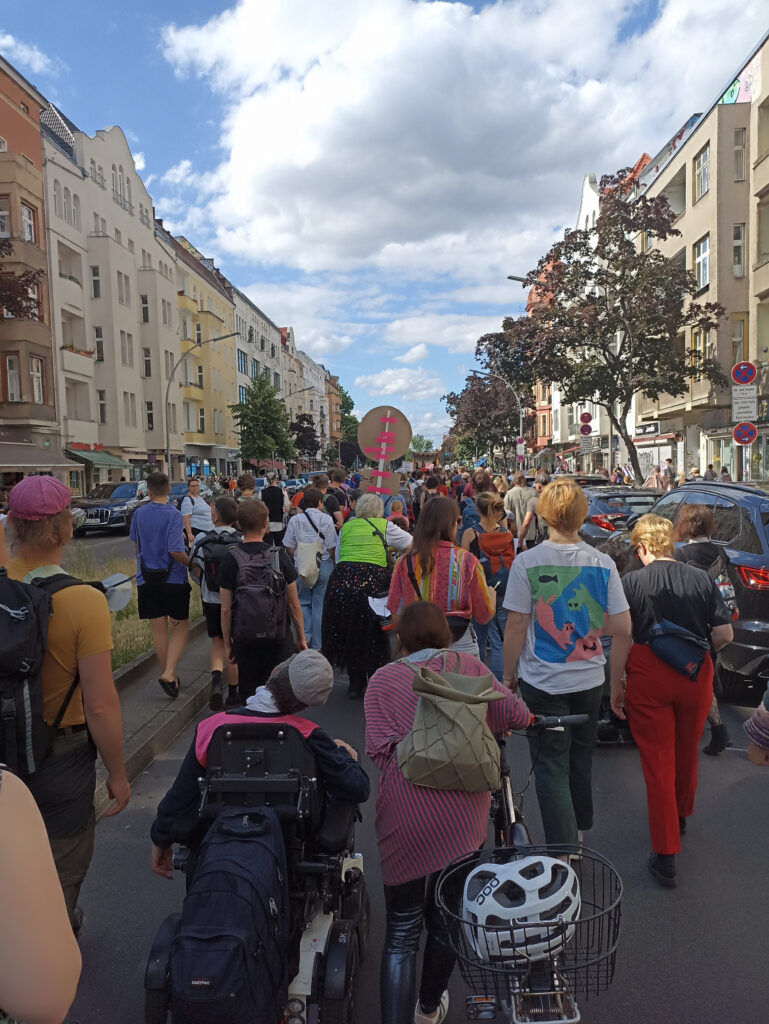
x,y
213,547
229,958
25,608
260,600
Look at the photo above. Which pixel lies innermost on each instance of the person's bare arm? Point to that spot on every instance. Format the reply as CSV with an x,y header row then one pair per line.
x,y
37,934
295,611
339,520
619,627
188,528
525,525
102,713
180,556
226,599
289,551
720,636
467,538
515,637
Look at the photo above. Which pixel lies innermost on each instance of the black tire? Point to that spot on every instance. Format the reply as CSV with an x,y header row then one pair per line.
x,y
364,923
342,1011
740,690
156,1006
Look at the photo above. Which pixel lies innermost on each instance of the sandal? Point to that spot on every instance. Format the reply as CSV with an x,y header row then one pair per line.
x,y
170,688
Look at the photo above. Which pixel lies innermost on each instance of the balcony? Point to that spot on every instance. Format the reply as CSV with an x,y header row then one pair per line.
x,y
33,331
192,390
761,279
83,430
98,178
122,202
185,303
77,361
71,292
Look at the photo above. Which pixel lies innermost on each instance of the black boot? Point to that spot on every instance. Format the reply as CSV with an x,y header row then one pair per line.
x,y
719,740
663,868
233,699
216,700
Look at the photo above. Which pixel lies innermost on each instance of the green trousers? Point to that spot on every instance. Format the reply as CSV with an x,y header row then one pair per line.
x,y
562,761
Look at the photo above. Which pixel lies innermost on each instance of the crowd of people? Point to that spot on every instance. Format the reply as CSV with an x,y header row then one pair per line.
x,y
481,577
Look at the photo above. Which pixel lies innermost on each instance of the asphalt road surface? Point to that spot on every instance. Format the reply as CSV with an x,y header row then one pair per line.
x,y
100,546
692,955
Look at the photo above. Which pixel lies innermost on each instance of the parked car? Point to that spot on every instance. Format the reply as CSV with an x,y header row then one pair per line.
x,y
292,485
610,506
741,514
111,506
179,490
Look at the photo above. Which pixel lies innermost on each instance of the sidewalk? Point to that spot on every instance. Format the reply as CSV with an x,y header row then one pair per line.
x,y
151,720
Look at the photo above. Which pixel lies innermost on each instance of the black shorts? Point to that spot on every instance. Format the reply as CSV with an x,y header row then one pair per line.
x,y
159,599
213,614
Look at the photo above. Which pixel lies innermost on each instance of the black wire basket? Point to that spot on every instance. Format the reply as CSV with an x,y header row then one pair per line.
x,y
578,954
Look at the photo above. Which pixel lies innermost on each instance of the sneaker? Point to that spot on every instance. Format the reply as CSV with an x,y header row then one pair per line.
x,y
216,700
663,868
171,688
437,1016
233,700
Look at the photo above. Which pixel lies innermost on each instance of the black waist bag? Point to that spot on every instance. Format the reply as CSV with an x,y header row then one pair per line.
x,y
229,958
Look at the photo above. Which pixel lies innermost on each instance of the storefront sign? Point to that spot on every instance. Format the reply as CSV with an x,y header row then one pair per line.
x,y
647,429
84,446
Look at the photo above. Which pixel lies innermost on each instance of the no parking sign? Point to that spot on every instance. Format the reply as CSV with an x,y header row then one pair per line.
x,y
745,433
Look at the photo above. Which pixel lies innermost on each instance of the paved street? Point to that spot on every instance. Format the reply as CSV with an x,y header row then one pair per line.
x,y
694,955
100,546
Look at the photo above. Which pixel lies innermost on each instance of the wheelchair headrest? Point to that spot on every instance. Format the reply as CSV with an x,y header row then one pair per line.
x,y
260,749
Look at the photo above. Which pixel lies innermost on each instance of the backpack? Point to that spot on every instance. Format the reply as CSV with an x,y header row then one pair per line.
x,y
229,957
718,572
471,518
309,555
260,601
450,745
26,740
495,553
213,547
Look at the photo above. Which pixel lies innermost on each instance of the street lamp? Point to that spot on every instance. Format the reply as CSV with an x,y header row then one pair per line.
x,y
514,277
177,364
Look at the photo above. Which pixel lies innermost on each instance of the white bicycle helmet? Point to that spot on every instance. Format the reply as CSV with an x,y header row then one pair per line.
x,y
520,911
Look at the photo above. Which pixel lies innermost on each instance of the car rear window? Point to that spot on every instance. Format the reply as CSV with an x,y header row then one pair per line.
x,y
626,504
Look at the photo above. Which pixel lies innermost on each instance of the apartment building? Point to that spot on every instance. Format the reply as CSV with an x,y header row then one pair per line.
x,y
293,374
334,409
258,344
112,288
314,400
29,437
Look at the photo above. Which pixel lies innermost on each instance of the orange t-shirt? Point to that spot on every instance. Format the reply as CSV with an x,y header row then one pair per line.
x,y
79,627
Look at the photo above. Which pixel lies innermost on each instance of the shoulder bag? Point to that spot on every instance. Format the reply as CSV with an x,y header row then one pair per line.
x,y
309,555
675,645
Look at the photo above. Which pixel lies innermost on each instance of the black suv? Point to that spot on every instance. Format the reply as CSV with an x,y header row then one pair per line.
x,y
609,507
111,506
741,514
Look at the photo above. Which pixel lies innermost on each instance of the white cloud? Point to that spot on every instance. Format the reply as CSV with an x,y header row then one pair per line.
x,y
179,174
415,384
414,355
139,162
28,56
453,331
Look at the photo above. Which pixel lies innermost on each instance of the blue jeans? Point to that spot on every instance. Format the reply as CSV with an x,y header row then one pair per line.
x,y
493,634
311,602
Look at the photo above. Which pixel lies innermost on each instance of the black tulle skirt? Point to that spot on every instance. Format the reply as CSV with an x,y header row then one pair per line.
x,y
351,637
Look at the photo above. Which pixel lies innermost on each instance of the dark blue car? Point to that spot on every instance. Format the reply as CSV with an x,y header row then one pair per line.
x,y
111,506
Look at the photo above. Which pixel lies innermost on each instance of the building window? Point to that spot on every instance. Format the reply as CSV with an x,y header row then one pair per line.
x,y
95,283
146,362
702,262
254,369
149,416
131,246
12,379
646,241
5,217
118,236
171,417
242,393
57,207
28,223
123,289
24,108
199,374
76,212
738,340
198,334
67,206
242,362
263,343
34,294
145,309
36,373
3,145
126,349
276,381
101,397
698,347
129,408
272,351
169,363
167,314
702,172
201,420
739,154
738,251
98,342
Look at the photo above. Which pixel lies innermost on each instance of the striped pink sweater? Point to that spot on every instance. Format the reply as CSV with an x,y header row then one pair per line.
x,y
457,584
422,830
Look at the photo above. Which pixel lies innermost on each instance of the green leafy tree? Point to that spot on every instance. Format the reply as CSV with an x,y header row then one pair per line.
x,y
17,296
420,445
305,436
262,422
486,417
609,317
350,422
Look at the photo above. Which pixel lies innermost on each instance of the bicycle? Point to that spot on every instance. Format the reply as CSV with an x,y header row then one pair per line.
x,y
532,972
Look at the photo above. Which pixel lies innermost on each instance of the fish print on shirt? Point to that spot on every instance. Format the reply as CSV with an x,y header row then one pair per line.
x,y
569,605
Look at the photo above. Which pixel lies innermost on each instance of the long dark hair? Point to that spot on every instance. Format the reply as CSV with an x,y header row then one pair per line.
x,y
437,521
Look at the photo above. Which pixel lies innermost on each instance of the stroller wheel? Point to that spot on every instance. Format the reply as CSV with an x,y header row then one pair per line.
x,y
156,1006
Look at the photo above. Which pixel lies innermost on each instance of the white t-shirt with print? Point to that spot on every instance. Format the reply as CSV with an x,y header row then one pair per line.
x,y
301,529
567,589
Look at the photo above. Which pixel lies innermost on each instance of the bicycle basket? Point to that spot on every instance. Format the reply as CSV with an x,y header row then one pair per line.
x,y
503,953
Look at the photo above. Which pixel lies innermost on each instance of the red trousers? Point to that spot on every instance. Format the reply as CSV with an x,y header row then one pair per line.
x,y
667,713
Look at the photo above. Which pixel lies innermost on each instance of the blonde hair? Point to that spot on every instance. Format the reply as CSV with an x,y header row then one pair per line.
x,y
396,507
42,534
563,505
656,535
501,484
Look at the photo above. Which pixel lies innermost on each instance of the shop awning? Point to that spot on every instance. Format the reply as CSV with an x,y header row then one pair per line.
x,y
97,458
21,456
653,438
569,451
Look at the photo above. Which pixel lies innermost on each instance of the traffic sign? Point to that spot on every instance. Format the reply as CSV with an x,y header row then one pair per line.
x,y
520,458
744,402
745,433
585,444
586,430
585,417
744,372
520,440
520,448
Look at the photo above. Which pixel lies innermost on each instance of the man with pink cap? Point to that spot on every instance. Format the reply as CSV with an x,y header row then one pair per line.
x,y
78,646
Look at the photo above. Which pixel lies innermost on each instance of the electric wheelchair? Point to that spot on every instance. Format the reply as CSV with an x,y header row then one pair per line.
x,y
266,764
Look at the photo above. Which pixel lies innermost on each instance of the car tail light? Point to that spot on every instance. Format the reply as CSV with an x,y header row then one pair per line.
x,y
757,579
606,522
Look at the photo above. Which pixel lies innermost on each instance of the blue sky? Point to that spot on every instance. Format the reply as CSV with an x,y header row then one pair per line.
x,y
371,177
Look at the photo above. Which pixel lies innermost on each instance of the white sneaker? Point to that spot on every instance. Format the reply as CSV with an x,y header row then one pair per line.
x,y
437,1017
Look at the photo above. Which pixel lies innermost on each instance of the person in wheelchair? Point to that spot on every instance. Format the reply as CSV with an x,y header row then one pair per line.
x,y
303,681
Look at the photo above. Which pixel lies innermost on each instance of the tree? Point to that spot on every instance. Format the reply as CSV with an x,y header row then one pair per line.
x,y
18,292
305,436
609,317
486,416
262,422
350,422
420,445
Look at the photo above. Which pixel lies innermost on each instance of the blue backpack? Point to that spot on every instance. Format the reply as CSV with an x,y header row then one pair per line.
x,y
229,959
471,518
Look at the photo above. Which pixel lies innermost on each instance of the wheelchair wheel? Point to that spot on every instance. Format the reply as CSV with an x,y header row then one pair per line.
x,y
363,923
342,1011
156,1006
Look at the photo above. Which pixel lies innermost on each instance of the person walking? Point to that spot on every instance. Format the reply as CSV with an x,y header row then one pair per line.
x,y
436,569
516,501
78,648
245,487
421,830
667,709
351,637
710,474
655,480
196,512
209,550
695,526
311,527
253,595
428,491
724,477
562,596
161,577
541,480
669,475
276,499
492,544
330,504
478,483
